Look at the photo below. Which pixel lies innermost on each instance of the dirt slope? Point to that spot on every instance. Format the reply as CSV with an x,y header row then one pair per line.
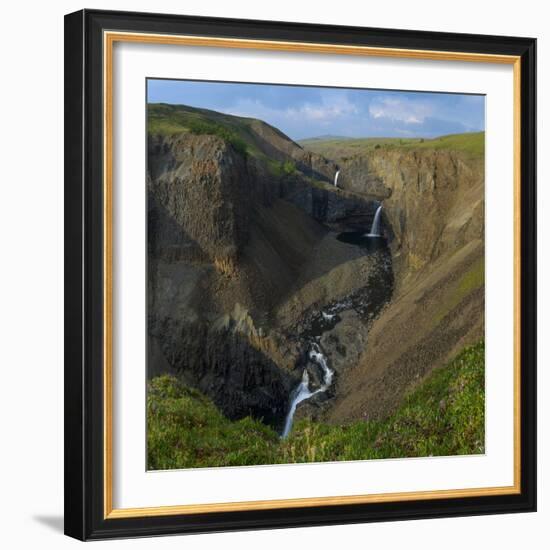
x,y
433,200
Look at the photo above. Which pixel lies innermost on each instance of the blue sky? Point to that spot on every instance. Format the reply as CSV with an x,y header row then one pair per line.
x,y
302,111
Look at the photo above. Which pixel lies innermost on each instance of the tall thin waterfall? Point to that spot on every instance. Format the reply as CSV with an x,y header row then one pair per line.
x,y
336,178
375,229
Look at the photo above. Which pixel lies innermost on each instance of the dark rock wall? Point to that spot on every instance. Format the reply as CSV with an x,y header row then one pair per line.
x,y
198,191
225,365
334,207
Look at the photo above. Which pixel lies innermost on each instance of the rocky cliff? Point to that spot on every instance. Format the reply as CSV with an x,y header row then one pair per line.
x,y
433,197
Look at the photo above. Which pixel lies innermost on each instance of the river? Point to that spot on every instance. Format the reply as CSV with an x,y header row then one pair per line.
x,y
367,302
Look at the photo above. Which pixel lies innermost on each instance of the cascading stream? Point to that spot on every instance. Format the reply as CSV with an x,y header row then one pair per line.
x,y
302,392
327,319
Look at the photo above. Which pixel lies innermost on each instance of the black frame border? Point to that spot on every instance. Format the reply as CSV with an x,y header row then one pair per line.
x,y
84,489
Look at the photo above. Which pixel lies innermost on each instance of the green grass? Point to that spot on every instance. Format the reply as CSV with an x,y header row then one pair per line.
x,y
281,169
168,120
203,127
467,283
471,143
444,415
186,430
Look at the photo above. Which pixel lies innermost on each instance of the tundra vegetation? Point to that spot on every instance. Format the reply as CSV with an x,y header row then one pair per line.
x,y
442,416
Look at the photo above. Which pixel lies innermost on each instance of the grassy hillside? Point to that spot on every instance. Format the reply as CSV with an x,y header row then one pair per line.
x,y
472,144
167,120
244,134
444,415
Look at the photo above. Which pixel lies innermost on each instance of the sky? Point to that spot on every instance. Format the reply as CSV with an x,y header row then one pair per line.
x,y
304,111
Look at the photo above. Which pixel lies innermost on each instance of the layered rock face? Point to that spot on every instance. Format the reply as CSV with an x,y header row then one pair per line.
x,y
227,365
433,200
339,209
198,192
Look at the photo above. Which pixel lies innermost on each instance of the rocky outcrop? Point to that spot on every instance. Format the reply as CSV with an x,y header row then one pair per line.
x,y
339,209
223,363
198,194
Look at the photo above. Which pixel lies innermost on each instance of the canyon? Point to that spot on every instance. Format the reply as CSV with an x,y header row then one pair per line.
x,y
256,264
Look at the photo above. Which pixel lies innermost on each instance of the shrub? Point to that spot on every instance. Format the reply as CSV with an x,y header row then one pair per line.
x,y
203,127
288,167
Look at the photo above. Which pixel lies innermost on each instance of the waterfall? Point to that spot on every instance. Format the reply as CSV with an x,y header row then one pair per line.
x,y
317,355
336,178
375,228
302,392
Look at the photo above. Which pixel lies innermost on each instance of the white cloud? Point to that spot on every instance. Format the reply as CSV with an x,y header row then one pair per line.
x,y
313,112
401,110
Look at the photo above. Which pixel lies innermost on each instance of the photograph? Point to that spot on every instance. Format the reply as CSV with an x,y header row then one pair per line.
x,y
315,274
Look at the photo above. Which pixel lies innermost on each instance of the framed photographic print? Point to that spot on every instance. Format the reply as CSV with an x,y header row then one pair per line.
x,y
300,274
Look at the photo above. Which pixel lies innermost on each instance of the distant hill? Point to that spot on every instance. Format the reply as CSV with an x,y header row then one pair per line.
x,y
322,138
472,143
